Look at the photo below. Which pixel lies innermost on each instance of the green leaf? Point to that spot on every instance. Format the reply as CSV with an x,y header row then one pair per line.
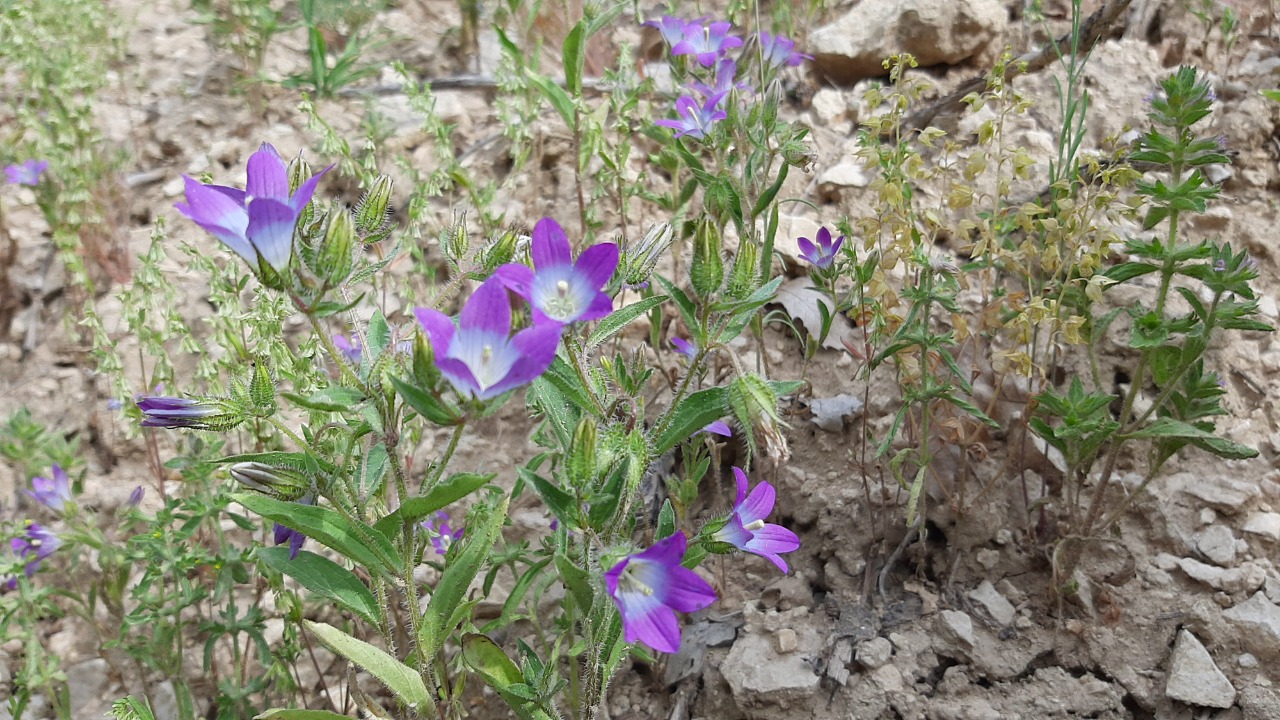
x,y
426,404
459,571
373,470
398,677
666,520
688,311
1170,428
561,503
444,494
325,578
696,412
574,56
770,193
351,538
577,580
615,321
334,398
292,714
556,95
1129,270
486,659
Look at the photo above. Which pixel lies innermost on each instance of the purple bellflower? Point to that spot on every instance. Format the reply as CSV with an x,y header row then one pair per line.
x,y
707,42
350,349
695,120
726,72
746,529
135,497
719,427
441,533
777,51
32,547
190,413
26,173
257,222
673,29
685,347
283,534
650,586
560,290
480,357
53,493
823,252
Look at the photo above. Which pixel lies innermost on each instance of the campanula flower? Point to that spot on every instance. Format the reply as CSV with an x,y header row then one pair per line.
x,y
695,120
823,252
53,493
257,222
719,427
777,51
26,173
479,356
350,349
726,72
441,533
685,347
32,547
673,29
190,413
649,587
284,534
707,42
559,289
746,529
135,497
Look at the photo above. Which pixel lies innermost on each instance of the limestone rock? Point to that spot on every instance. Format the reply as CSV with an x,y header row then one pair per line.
x,y
753,667
1224,494
1194,678
1000,609
874,653
955,631
847,173
1266,524
936,32
1258,614
1218,544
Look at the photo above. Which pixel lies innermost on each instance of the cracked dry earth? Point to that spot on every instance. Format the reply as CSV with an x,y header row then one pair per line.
x,y
1178,614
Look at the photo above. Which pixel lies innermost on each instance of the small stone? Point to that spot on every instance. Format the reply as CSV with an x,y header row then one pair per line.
x,y
785,640
874,653
1224,494
1208,516
1194,678
829,106
174,187
956,628
889,678
1266,524
1257,614
1218,544
1000,609
987,558
1247,660
1267,306
847,173
87,681
1004,536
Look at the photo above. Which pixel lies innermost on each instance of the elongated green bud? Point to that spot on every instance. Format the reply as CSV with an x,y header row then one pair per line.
x,y
282,483
707,269
298,172
744,278
262,391
372,214
755,407
424,362
581,463
337,252
455,240
500,251
640,259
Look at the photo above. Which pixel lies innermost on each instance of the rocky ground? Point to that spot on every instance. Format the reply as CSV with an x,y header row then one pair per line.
x,y
1179,613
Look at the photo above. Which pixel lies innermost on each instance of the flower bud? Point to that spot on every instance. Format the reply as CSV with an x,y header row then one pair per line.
x,y
281,483
773,97
372,214
640,259
581,463
337,257
798,155
262,392
190,413
424,362
298,172
499,252
755,406
744,278
455,240
707,268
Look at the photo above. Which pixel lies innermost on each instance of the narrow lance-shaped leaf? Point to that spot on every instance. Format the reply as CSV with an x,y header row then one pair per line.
x,y
398,677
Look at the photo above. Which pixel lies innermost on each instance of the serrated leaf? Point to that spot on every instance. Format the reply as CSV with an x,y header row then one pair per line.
x,y
350,538
615,321
326,579
398,677
447,492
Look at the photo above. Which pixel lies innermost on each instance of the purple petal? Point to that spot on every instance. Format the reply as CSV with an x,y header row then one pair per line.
x,y
550,247
824,237
306,190
219,215
740,478
487,310
647,620
719,427
597,263
517,278
835,247
758,505
600,306
808,250
460,376
268,177
687,592
439,329
537,347
770,540
237,195
295,544
686,348
271,231
668,551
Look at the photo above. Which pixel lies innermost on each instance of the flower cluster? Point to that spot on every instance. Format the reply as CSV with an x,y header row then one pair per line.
x,y
709,45
651,586
37,542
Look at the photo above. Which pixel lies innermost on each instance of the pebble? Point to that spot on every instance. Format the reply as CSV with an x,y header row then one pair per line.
x,y
1247,660
87,681
874,653
1000,609
956,628
987,558
1257,614
1226,495
1266,524
1194,678
847,173
1218,544
785,640
829,106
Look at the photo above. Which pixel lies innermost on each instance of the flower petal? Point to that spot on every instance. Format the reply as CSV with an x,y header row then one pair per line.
x,y
517,278
770,540
460,376
667,551
487,310
537,347
686,591
758,505
740,478
219,215
597,263
271,231
647,620
550,247
807,248
268,177
306,190
601,305
438,327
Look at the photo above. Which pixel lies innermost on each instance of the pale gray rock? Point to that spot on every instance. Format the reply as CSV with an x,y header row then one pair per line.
x,y
1194,678
1266,524
936,32
753,667
87,681
830,413
1000,609
829,106
1224,494
846,173
1218,544
955,628
1257,614
874,653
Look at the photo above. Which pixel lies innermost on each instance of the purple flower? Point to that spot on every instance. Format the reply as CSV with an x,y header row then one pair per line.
x,y
707,42
53,493
559,289
349,348
173,412
441,534
777,51
32,547
135,497
257,222
283,534
746,529
480,357
719,427
685,347
673,29
695,120
821,254
726,71
650,586
26,173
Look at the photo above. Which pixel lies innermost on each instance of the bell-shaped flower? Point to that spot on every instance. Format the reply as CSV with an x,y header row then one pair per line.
x,y
707,42
673,29
726,74
53,493
822,253
480,357
189,413
27,172
649,587
559,289
32,547
746,529
257,222
777,51
695,120
441,533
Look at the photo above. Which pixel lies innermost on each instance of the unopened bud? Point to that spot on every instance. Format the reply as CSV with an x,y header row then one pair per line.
x,y
640,259
499,252
744,278
456,239
298,172
581,463
706,271
424,362
773,97
281,483
372,213
337,256
798,155
262,392
755,406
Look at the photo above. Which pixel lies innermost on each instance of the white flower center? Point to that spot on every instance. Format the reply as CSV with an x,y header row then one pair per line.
x,y
754,526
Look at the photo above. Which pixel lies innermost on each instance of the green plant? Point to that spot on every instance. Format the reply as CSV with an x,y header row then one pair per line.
x,y
324,79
